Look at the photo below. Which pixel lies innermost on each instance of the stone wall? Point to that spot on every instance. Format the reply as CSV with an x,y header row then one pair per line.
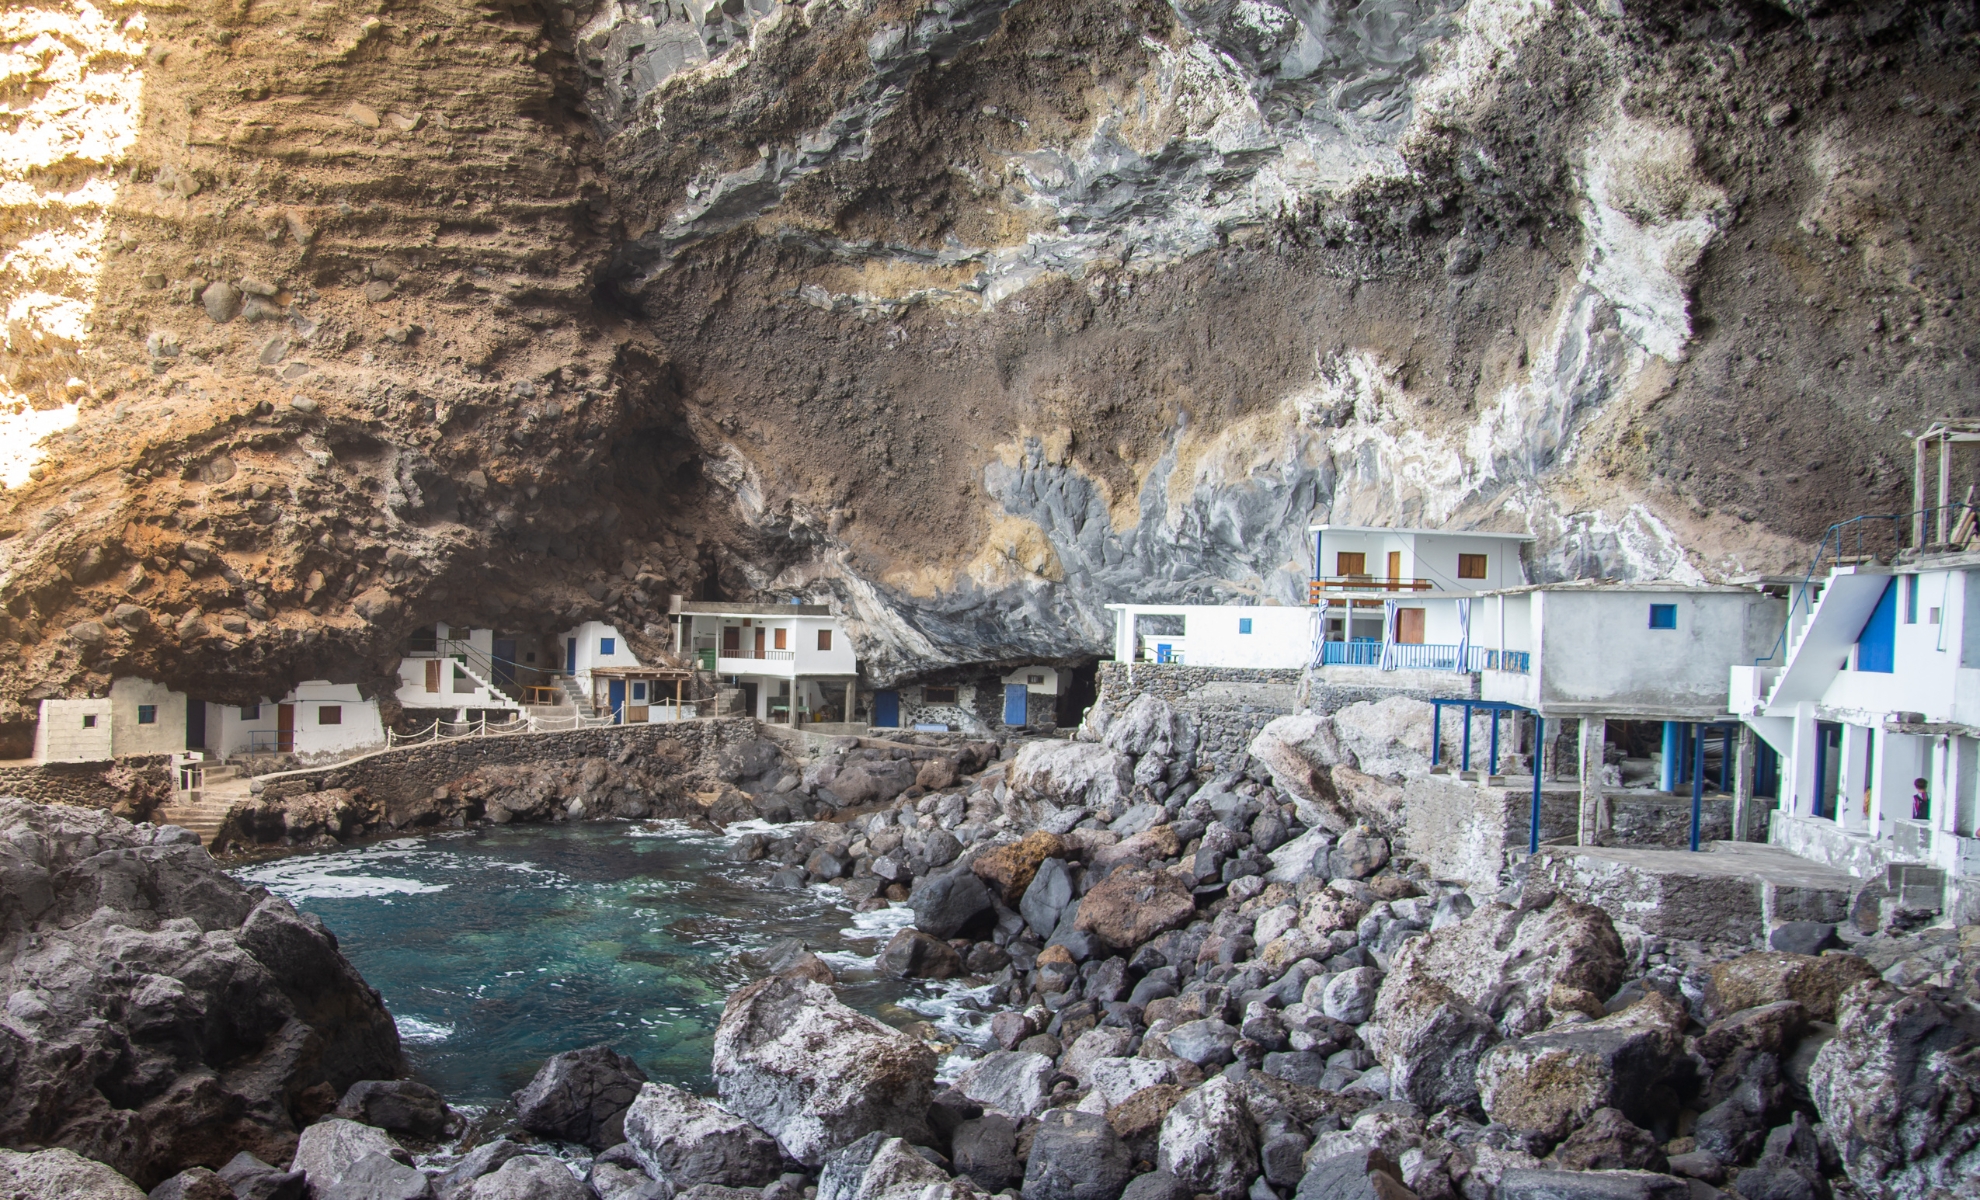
x,y
1229,705
127,786
403,778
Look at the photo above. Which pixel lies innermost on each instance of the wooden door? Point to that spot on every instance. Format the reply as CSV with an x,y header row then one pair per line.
x,y
759,643
432,674
1350,564
1395,564
285,728
731,642
1409,626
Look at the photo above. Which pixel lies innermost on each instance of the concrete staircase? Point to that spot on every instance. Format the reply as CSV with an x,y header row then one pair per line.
x,y
1820,646
578,699
204,809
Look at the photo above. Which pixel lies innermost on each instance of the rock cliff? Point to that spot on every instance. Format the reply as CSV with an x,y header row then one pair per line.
x,y
970,315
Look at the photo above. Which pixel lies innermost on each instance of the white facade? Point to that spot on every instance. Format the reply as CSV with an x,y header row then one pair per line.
x,y
315,718
595,644
1213,635
1038,681
1440,560
1397,599
457,673
793,660
1652,651
1877,685
73,731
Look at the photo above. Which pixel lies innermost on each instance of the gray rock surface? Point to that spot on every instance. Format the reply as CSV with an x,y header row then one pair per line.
x,y
399,1106
581,1096
527,1177
1209,1142
1076,1156
193,1183
943,904
816,1075
127,945
327,1150
375,1177
45,1174
1009,1081
1551,1082
686,1140
249,1178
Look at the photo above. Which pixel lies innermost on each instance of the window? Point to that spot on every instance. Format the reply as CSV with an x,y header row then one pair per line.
x,y
607,647
1471,566
89,720
1039,679
530,657
1663,616
147,714
824,639
782,633
938,695
1350,564
1911,599
250,712
1244,624
1932,616
639,692
330,714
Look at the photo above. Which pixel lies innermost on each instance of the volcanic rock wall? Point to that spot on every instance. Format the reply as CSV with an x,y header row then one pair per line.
x,y
969,315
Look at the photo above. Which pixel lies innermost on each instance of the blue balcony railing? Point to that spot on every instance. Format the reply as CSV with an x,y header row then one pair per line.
x,y
1484,658
1407,656
1359,653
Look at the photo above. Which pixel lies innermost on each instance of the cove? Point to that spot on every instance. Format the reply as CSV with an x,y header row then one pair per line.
x,y
497,947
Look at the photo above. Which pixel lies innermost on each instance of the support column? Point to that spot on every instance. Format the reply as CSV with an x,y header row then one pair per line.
x,y
1667,771
1853,778
1798,780
1594,807
1746,750
1547,751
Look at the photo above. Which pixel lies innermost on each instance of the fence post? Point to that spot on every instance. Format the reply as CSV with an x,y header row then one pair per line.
x,y
1533,826
1697,781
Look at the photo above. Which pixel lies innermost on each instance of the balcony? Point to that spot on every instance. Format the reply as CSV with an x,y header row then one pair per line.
x,y
1412,656
1320,589
739,661
1484,658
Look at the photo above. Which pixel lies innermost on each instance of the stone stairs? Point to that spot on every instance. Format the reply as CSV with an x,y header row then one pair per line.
x,y
578,699
204,809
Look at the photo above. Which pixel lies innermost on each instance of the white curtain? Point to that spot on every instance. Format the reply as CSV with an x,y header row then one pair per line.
x,y
1389,652
1464,632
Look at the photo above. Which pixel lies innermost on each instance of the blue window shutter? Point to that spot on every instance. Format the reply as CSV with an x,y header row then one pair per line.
x,y
1876,646
1244,624
1663,616
147,714
607,645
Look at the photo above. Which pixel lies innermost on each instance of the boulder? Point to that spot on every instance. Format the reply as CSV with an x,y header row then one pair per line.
x,y
193,1183
1391,737
1209,1142
613,1181
896,1172
1301,751
1207,1042
816,1075
1898,1088
1366,1174
251,1179
686,1140
399,1106
1610,1141
1134,904
1350,996
1071,774
912,954
1359,854
1770,976
1550,1082
1116,1080
1157,1185
936,774
1528,1184
864,782
1047,897
327,1150
485,1159
526,1177
1076,1156
1009,869
1430,1039
1009,1081
944,904
985,1150
1373,800
581,1096
377,1177
1151,726
1803,937
64,1173
130,949
1730,1047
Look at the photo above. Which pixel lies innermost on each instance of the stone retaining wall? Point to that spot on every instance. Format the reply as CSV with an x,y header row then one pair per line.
x,y
1228,705
403,777
90,784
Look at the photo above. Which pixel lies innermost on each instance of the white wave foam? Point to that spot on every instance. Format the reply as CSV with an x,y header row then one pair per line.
x,y
303,879
421,1032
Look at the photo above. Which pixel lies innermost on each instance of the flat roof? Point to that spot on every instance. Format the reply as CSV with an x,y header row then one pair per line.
x,y
1624,585
728,608
1458,533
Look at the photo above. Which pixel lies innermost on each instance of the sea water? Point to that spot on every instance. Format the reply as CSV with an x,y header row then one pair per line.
x,y
495,948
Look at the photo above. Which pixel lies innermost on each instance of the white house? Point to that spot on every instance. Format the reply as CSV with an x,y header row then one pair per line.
x,y
1031,696
608,676
468,671
1214,635
793,663
1875,686
1395,598
138,717
315,718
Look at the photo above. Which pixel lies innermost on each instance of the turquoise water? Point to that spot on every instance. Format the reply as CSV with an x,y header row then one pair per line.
x,y
495,948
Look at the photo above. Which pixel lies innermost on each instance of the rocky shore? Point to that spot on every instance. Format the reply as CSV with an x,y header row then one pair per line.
x,y
1180,984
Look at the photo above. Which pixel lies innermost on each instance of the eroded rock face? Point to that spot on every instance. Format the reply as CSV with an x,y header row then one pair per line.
x,y
581,1096
127,948
1081,774
816,1075
1552,1082
686,1140
1899,1089
61,1172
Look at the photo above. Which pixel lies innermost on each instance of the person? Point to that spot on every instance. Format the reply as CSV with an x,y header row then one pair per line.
x,y
1921,801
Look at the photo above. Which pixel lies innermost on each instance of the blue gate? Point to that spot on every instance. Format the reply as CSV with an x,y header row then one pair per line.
x,y
1016,704
887,709
616,696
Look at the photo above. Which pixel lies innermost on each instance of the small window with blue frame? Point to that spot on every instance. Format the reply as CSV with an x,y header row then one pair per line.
x,y
608,646
1663,616
1244,624
147,714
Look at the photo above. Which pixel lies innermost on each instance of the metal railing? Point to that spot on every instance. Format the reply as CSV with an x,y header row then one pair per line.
x,y
1317,589
1358,653
1485,658
760,655
1829,554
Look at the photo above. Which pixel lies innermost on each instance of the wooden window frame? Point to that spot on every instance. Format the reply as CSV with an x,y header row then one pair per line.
x,y
1474,566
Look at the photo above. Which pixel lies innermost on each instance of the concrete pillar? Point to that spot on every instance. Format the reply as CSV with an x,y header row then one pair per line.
x,y
1853,779
1546,755
1594,808
1746,751
1899,759
1798,780
1667,770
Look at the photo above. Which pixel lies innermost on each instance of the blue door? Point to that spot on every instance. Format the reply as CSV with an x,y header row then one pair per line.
x,y
616,696
1016,702
887,709
570,656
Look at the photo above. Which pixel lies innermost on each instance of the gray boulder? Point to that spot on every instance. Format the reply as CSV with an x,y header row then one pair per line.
x,y
1350,996
1206,1042
527,1177
484,1159
1366,1174
64,1173
816,1075
1552,1082
687,1140
615,1181
897,1172
327,1150
1150,726
1009,1081
1157,1185
1300,752
1076,1156
581,1096
985,1150
1048,897
193,1183
943,904
1523,1183
1209,1142
1359,854
1071,774
399,1106
249,1178
376,1177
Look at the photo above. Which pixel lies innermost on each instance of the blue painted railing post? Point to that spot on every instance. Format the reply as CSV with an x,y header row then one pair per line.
x,y
1667,771
1533,828
1492,762
1697,783
1467,739
1436,733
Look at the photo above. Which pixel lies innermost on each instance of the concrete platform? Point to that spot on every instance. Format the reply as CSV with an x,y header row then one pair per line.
x,y
1728,892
